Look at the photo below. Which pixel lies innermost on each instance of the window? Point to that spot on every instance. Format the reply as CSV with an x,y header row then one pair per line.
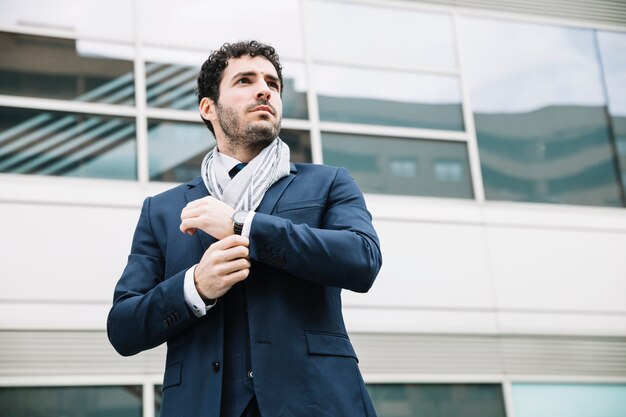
x,y
438,400
388,98
540,113
105,401
85,71
569,400
66,144
401,166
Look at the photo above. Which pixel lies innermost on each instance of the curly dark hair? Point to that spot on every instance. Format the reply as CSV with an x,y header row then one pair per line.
x,y
212,70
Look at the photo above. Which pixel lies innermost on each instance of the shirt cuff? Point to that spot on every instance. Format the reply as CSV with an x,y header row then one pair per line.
x,y
247,224
192,298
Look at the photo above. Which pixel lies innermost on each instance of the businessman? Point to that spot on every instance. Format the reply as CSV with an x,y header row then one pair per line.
x,y
240,270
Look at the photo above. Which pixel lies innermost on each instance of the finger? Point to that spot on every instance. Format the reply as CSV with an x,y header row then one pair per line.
x,y
232,241
227,268
220,256
192,223
236,277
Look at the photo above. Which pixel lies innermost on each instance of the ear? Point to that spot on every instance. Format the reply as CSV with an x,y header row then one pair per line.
x,y
207,108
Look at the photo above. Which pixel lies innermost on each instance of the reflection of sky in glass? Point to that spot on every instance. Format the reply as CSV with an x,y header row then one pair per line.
x,y
86,16
371,34
210,23
613,51
517,67
407,87
569,400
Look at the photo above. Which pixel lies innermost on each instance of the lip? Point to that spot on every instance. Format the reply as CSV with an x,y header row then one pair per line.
x,y
263,108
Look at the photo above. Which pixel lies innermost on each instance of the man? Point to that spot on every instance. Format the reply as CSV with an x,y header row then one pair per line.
x,y
242,277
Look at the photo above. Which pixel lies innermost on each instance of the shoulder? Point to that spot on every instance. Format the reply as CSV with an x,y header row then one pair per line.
x,y
178,191
319,170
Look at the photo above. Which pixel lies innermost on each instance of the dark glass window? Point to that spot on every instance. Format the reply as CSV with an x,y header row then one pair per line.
x,y
540,113
176,149
437,400
401,166
105,401
66,144
37,66
388,98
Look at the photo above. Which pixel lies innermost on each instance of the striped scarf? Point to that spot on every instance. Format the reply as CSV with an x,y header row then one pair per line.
x,y
246,190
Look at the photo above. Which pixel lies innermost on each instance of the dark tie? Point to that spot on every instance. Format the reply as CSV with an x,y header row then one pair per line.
x,y
236,169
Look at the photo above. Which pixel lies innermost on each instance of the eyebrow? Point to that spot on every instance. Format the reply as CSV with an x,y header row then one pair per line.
x,y
254,74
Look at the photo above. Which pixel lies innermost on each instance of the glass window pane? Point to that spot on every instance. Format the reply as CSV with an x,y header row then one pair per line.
x,y
210,23
176,149
67,144
437,400
97,17
37,66
173,86
569,400
540,114
388,98
158,397
612,49
380,35
401,166
123,401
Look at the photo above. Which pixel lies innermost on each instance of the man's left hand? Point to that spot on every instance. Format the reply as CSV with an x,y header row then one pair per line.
x,y
209,215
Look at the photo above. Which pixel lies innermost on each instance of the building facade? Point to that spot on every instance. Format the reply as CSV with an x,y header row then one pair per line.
x,y
489,139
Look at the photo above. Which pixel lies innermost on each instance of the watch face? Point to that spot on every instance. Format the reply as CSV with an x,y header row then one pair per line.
x,y
240,217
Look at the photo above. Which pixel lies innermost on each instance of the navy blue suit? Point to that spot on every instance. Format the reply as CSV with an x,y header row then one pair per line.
x,y
311,236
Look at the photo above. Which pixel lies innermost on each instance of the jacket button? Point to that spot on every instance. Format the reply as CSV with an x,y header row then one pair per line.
x,y
250,374
216,366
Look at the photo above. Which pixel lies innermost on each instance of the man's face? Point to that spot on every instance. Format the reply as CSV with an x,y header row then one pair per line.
x,y
249,109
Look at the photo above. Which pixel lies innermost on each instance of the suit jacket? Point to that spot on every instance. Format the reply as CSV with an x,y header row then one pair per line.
x,y
311,236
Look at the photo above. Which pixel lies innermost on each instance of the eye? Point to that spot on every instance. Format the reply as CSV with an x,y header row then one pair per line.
x,y
243,80
273,84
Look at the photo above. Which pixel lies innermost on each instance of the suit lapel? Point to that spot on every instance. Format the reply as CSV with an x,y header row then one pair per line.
x,y
273,194
195,191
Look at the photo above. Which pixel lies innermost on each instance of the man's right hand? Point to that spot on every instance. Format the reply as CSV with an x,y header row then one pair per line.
x,y
223,265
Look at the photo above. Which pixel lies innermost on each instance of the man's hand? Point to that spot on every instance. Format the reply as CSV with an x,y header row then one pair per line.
x,y
209,215
223,265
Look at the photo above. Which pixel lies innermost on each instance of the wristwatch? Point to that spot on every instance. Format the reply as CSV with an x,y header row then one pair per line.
x,y
239,217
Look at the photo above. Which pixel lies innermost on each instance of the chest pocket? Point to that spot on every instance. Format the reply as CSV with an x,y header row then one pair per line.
x,y
303,211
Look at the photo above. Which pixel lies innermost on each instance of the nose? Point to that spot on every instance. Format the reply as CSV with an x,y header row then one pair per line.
x,y
264,92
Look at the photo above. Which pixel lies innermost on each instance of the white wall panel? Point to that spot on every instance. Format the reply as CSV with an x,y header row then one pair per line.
x,y
559,270
430,265
62,252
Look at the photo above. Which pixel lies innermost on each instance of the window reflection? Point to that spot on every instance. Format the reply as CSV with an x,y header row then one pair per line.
x,y
401,166
176,149
209,23
612,47
441,400
66,144
380,35
173,86
388,98
540,113
122,401
37,66
569,400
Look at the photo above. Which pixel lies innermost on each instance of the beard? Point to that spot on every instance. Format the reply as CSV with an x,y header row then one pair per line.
x,y
254,136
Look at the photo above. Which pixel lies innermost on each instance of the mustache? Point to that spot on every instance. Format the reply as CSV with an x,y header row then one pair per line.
x,y
262,103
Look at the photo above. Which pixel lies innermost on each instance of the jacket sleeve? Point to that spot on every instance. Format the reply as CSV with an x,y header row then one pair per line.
x,y
147,309
344,252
